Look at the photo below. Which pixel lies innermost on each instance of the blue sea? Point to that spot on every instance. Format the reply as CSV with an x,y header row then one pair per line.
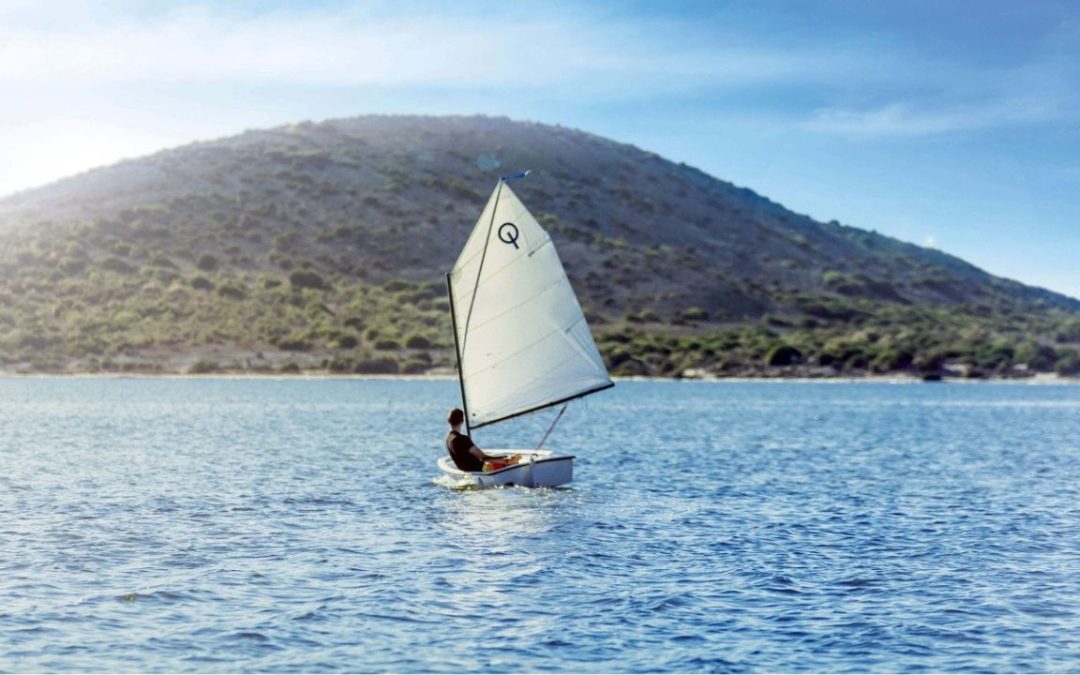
x,y
297,525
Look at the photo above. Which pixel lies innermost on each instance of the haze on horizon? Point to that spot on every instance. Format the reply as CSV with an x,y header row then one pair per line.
x,y
951,125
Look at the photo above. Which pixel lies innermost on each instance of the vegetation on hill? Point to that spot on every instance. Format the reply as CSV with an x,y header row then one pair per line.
x,y
322,247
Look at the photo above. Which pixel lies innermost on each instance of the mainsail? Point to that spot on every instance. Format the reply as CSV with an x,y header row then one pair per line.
x,y
522,340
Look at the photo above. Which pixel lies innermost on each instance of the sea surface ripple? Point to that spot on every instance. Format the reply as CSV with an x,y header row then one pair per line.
x,y
223,525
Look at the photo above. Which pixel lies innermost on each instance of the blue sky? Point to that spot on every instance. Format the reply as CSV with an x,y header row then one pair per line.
x,y
949,124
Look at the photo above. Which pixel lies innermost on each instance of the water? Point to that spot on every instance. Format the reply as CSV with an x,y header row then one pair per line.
x,y
283,525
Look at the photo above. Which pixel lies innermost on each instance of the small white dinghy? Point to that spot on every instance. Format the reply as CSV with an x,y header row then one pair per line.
x,y
538,468
521,338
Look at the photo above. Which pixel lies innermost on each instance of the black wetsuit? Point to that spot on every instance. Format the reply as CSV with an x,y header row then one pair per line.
x,y
458,446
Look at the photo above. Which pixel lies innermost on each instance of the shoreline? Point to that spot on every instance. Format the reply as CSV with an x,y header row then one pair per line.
x,y
1038,379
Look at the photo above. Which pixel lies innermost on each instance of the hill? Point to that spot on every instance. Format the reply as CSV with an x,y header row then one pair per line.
x,y
322,246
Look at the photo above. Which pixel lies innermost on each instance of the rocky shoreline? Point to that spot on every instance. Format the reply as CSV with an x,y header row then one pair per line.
x,y
963,373
267,360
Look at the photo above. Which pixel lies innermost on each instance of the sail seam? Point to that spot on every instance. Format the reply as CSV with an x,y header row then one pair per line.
x,y
513,354
555,368
510,264
544,291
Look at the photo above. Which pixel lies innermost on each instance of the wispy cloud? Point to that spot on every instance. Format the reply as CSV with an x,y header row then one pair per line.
x,y
348,47
909,119
112,83
568,50
935,96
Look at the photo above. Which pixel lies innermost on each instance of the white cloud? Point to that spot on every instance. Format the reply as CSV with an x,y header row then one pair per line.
x,y
348,47
111,77
131,65
909,119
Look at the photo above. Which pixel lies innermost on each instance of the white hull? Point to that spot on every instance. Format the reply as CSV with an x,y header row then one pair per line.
x,y
538,468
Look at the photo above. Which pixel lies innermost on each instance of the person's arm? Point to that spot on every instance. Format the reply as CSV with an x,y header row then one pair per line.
x,y
480,454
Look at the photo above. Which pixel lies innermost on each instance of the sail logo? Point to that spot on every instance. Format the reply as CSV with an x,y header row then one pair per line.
x,y
508,234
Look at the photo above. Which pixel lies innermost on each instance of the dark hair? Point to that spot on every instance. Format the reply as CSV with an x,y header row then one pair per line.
x,y
456,417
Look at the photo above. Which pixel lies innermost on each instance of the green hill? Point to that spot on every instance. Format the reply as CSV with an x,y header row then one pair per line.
x,y
321,246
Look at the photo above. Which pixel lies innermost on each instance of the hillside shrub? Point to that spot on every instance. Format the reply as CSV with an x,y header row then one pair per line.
x,y
294,343
1068,332
161,260
694,314
1037,357
203,366
1068,363
929,362
644,316
341,364
73,266
616,338
891,360
117,265
857,361
783,355
993,355
307,279
380,365
207,263
124,318
232,292
615,356
631,368
414,366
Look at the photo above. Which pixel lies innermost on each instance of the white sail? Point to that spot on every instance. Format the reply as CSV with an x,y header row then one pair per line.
x,y
522,338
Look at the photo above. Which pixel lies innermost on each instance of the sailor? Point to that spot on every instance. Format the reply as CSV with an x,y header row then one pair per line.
x,y
467,456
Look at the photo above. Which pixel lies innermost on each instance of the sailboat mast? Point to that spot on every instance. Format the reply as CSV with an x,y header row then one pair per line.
x,y
457,351
480,267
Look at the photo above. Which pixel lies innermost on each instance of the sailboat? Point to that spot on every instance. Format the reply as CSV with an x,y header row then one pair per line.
x,y
521,338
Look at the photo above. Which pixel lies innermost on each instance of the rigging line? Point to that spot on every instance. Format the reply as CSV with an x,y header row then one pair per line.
x,y
480,268
548,433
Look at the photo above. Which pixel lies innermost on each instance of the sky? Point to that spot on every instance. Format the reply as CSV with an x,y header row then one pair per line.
x,y
949,124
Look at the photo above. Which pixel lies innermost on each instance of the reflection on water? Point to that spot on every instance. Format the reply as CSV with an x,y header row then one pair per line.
x,y
224,525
